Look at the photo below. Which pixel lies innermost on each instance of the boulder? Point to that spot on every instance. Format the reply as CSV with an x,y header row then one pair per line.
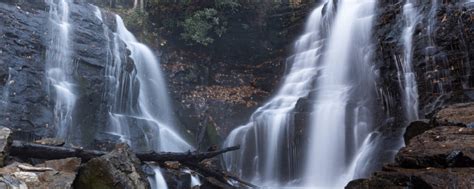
x,y
416,128
117,169
51,174
457,114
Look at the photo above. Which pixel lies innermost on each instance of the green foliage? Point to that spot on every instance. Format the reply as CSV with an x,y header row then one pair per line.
x,y
135,19
224,4
201,25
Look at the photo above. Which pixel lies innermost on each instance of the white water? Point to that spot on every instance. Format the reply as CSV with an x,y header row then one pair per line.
x,y
59,66
408,80
341,124
150,112
137,98
195,181
153,101
341,76
5,98
265,150
138,4
158,181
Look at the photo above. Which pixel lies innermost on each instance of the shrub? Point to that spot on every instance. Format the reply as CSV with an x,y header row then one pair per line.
x,y
201,25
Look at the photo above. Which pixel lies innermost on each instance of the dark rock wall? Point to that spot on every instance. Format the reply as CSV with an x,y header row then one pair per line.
x,y
25,104
442,55
27,107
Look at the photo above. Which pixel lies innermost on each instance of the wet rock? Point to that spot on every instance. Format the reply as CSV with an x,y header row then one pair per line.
x,y
438,147
457,114
27,105
117,169
50,174
442,52
5,142
416,128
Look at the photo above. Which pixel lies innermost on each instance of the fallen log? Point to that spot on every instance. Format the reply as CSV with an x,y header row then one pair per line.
x,y
190,159
183,157
40,151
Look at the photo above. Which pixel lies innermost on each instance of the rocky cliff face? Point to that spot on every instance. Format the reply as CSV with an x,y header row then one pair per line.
x,y
27,107
443,41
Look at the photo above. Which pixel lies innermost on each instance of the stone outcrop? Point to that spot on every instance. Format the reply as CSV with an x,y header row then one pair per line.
x,y
440,147
440,157
117,169
457,114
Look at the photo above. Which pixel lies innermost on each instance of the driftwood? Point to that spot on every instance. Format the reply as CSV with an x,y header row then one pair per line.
x,y
190,159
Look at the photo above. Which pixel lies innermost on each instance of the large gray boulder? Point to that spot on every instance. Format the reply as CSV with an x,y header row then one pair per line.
x,y
115,170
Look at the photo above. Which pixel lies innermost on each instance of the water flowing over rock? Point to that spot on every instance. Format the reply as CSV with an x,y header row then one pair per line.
x,y
358,79
318,75
59,66
267,137
405,68
342,123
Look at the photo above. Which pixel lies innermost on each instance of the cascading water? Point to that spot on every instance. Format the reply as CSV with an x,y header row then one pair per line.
x,y
153,106
138,4
342,136
266,151
339,72
59,66
406,75
6,91
153,102
138,103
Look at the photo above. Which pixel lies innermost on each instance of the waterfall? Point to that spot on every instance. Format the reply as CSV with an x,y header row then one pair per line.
x,y
266,151
157,181
138,104
333,64
59,67
139,4
153,105
341,124
5,98
153,101
408,81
